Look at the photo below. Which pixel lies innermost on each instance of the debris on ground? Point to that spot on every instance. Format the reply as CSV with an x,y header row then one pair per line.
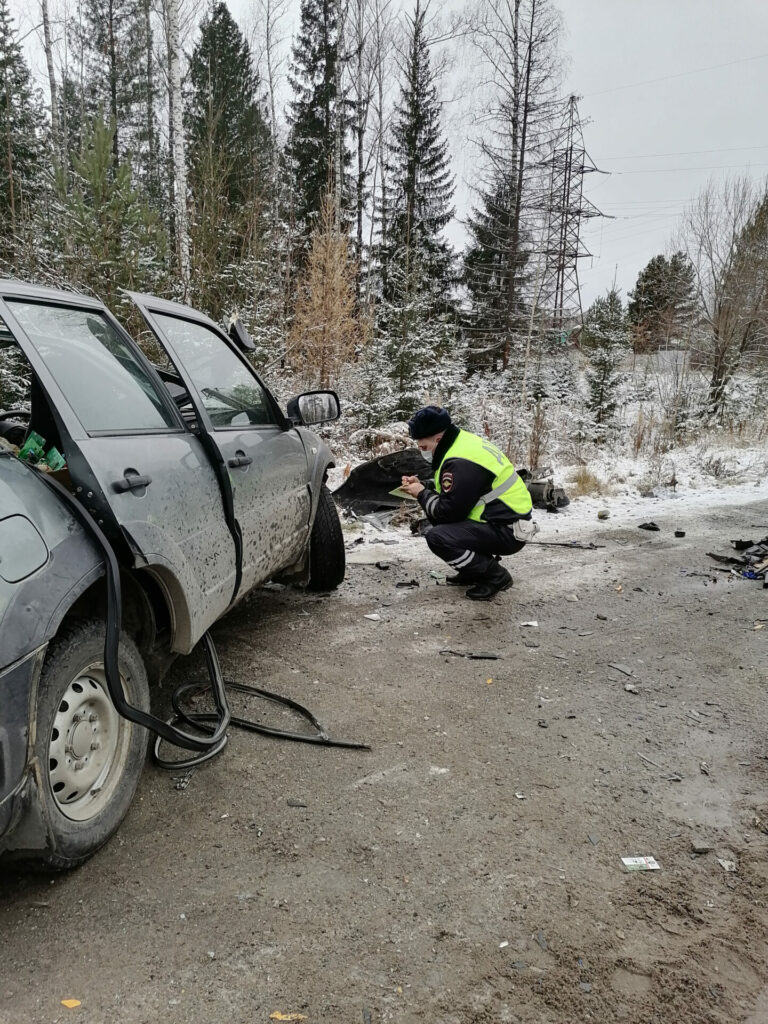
x,y
374,617
541,486
726,865
752,563
640,864
700,846
603,513
473,655
679,533
625,669
649,526
367,488
631,688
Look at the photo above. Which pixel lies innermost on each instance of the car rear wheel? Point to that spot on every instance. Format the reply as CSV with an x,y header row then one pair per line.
x,y
327,560
90,757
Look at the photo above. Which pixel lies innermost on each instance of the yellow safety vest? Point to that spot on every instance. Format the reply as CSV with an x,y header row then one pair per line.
x,y
508,487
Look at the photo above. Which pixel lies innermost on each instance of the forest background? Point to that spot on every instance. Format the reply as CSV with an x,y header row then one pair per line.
x,y
299,176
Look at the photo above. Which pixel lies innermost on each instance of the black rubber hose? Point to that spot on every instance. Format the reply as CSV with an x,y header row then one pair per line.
x,y
206,744
213,725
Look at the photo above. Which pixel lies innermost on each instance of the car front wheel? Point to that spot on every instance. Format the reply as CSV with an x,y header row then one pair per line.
x,y
327,560
90,757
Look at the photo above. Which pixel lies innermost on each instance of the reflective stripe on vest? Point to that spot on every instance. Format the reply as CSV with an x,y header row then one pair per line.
x,y
508,486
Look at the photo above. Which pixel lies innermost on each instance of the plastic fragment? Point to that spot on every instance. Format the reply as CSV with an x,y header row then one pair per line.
x,y
70,1003
640,864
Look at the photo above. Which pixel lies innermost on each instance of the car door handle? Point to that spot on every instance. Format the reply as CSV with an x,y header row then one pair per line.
x,y
239,460
131,483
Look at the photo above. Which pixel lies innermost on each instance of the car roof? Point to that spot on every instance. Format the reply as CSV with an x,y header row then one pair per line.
x,y
155,304
10,288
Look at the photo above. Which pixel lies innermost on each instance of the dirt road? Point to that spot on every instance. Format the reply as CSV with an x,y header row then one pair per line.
x,y
467,870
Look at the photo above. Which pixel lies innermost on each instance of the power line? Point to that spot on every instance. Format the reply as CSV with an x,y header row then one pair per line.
x,y
687,152
681,74
676,170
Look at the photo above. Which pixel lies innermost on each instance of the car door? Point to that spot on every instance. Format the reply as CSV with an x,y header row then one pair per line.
x,y
146,478
265,457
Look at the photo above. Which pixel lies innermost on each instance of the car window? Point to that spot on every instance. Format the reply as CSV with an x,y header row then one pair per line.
x,y
231,395
98,373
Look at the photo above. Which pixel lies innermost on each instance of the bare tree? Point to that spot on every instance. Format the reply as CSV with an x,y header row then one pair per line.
x,y
178,150
517,42
48,47
725,235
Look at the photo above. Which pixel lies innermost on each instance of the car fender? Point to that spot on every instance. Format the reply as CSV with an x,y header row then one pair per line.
x,y
319,460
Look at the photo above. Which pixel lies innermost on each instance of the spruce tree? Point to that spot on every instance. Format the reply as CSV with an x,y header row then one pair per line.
x,y
225,114
318,115
112,37
663,303
229,153
493,272
421,186
606,342
21,135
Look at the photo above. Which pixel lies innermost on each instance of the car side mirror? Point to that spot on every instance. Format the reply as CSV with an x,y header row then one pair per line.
x,y
314,407
241,337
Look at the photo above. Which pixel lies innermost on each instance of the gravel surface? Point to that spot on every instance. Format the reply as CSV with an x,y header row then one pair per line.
x,y
468,869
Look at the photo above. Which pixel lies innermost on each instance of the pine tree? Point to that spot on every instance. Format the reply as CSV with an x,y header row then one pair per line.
x,y
21,135
663,305
421,186
318,116
107,236
112,36
605,340
326,329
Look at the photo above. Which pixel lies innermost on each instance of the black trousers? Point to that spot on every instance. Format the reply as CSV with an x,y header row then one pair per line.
x,y
469,547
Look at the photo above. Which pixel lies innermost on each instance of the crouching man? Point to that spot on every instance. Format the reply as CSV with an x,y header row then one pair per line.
x,y
480,508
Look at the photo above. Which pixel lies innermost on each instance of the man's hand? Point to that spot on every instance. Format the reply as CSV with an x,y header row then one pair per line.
x,y
412,485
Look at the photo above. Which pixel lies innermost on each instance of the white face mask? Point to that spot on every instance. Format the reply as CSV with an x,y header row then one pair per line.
x,y
427,456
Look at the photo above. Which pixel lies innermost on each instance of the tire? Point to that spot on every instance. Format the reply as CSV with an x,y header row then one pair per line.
x,y
90,758
327,560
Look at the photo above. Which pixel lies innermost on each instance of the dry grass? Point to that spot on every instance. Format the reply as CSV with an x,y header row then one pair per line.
x,y
584,482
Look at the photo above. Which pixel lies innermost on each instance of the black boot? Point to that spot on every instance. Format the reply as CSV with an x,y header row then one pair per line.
x,y
459,580
493,584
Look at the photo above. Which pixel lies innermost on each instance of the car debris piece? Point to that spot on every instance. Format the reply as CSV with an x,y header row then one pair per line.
x,y
620,668
700,846
631,688
640,864
296,803
648,526
383,565
594,839
407,583
374,617
679,533
726,865
472,655
532,623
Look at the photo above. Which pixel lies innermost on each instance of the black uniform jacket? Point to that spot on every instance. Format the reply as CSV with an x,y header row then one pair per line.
x,y
462,483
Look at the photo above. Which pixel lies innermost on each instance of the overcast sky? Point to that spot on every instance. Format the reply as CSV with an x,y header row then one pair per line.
x,y
661,141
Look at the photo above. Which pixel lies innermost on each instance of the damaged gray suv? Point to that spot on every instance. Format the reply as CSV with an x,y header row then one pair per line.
x,y
200,488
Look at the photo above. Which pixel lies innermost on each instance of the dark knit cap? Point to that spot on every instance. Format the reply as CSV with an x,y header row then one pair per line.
x,y
428,421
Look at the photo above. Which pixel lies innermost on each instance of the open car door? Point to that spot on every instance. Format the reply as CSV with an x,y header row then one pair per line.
x,y
132,461
263,454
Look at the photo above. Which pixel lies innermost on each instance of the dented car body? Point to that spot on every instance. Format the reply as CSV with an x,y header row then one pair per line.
x,y
204,489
